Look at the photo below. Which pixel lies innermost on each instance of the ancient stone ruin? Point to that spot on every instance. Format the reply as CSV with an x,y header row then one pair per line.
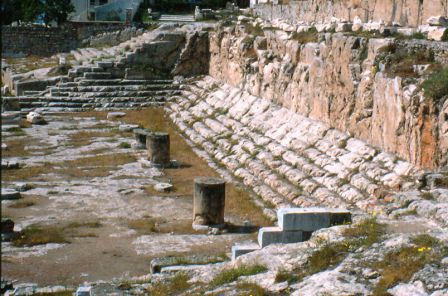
x,y
287,148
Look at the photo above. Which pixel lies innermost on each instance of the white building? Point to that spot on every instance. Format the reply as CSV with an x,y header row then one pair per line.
x,y
103,10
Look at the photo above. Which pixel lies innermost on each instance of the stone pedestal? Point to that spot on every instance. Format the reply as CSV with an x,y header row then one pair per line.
x,y
209,201
140,138
158,145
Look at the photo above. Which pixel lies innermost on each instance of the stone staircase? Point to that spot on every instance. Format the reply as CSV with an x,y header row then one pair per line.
x,y
294,225
105,83
85,56
287,159
101,94
176,18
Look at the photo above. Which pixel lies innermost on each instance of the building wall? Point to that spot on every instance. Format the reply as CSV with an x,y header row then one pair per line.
x,y
48,41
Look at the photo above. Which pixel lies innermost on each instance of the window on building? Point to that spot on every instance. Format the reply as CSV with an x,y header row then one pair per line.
x,y
92,2
102,2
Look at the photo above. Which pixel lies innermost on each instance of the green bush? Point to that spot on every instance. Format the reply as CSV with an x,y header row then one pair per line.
x,y
124,145
436,86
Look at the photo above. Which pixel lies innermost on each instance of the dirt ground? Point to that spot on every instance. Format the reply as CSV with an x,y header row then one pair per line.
x,y
95,194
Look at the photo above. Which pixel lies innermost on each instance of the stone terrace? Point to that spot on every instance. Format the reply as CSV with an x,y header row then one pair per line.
x,y
290,160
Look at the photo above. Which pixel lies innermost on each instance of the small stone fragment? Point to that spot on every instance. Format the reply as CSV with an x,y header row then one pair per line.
x,y
437,21
35,118
10,165
439,34
8,194
21,187
113,115
163,187
127,127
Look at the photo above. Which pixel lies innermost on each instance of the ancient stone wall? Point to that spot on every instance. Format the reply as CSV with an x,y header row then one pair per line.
x,y
112,38
48,41
336,81
405,12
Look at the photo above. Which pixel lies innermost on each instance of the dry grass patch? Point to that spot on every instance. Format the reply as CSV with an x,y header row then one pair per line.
x,y
144,226
87,224
37,235
100,115
102,160
76,229
24,174
30,63
175,286
399,266
86,167
330,254
24,123
231,275
93,166
365,233
85,138
16,148
250,289
25,202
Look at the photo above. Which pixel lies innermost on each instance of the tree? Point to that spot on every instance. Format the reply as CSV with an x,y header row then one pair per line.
x,y
57,10
31,9
11,11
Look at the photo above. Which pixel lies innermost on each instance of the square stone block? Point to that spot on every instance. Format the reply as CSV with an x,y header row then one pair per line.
x,y
239,250
275,235
311,219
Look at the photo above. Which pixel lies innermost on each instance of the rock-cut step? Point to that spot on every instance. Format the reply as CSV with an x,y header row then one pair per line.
x,y
99,81
97,75
114,94
176,18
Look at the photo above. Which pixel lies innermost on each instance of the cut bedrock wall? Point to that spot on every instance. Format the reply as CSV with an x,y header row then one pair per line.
x,y
335,81
406,12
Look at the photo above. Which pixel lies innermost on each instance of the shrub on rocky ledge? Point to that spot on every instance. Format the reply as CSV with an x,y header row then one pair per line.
x,y
175,286
305,37
399,265
365,233
251,289
231,275
436,86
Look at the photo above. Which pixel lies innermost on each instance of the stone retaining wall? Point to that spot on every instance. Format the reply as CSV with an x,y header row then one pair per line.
x,y
48,41
406,12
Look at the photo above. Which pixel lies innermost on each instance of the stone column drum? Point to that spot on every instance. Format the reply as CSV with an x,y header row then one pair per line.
x,y
158,145
140,138
209,201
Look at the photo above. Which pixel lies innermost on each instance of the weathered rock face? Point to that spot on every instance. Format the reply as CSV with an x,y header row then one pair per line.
x,y
337,80
404,12
193,59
